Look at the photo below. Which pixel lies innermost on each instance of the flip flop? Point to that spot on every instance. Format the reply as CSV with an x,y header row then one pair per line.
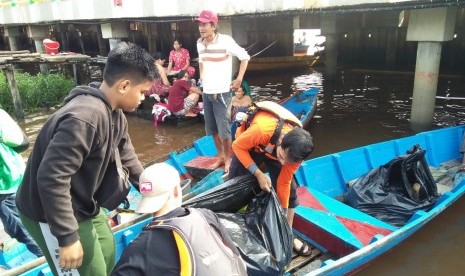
x,y
304,250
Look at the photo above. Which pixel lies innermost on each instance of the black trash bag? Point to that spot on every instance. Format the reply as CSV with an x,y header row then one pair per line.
x,y
227,197
388,193
262,233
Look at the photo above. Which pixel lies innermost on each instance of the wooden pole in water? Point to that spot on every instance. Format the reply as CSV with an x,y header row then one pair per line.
x,y
10,76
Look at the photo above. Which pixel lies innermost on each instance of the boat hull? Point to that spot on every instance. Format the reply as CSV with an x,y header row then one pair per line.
x,y
338,169
281,63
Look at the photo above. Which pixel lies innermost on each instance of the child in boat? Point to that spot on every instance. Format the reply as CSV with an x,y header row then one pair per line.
x,y
239,103
158,250
81,161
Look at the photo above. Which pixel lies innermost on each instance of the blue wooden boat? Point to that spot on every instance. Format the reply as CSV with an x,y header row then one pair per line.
x,y
303,104
348,238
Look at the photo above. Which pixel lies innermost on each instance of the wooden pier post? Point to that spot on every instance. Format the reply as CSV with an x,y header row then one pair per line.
x,y
10,76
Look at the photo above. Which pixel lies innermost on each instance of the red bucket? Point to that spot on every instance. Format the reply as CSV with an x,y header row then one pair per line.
x,y
51,47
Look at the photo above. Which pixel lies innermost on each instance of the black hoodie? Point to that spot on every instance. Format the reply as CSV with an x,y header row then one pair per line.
x,y
69,159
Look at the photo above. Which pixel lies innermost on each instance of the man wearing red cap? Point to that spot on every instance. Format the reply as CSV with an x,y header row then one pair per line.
x,y
215,66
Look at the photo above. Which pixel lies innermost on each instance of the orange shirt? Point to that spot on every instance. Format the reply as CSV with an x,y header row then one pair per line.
x,y
259,132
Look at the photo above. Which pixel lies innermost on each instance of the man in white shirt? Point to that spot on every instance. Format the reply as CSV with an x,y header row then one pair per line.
x,y
215,66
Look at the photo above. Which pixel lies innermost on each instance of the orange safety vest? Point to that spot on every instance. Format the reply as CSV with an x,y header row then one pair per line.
x,y
281,113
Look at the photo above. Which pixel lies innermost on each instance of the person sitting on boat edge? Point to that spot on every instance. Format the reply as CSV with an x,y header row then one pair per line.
x,y
160,86
183,96
281,146
13,140
239,103
179,59
81,163
178,239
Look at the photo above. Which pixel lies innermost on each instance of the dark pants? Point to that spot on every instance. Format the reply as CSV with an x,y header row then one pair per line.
x,y
273,168
13,225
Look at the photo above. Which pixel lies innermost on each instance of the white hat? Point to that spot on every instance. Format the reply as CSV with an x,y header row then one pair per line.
x,y
156,184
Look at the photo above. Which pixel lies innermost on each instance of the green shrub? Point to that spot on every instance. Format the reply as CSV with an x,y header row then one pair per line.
x,y
42,90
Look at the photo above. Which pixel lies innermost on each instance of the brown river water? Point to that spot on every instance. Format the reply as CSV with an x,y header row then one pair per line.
x,y
360,107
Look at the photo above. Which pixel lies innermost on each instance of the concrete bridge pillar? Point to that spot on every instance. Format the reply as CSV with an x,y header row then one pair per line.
x,y
329,30
114,32
429,27
38,34
13,37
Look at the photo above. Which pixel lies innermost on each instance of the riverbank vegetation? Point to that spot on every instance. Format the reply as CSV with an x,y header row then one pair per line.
x,y
36,91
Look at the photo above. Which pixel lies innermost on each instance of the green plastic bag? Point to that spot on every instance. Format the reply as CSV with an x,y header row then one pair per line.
x,y
11,169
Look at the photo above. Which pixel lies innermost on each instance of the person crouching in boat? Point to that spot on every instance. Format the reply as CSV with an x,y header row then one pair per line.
x,y
273,137
178,239
183,96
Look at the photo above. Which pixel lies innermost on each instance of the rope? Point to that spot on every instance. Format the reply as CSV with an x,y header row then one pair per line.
x,y
253,44
256,54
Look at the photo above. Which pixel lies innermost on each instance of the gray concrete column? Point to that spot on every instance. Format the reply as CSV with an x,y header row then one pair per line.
x,y
13,37
44,68
13,41
329,30
429,27
114,32
38,43
331,57
114,42
391,46
102,48
425,85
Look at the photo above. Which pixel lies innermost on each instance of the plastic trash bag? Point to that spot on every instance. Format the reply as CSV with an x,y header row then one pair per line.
x,y
396,190
227,197
262,233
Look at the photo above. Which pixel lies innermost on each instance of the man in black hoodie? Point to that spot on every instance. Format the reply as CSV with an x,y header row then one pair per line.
x,y
80,161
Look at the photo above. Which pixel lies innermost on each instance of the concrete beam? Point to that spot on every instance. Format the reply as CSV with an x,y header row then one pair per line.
x,y
115,30
431,24
11,31
37,32
104,9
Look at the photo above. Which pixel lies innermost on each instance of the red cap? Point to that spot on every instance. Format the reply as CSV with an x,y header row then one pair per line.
x,y
207,16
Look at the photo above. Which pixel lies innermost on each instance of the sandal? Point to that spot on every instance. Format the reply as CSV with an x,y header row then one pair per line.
x,y
305,250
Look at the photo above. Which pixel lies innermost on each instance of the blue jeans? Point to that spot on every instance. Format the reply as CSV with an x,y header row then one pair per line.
x,y
13,225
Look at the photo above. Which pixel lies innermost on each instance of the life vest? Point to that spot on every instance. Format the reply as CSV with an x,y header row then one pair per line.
x,y
201,249
282,115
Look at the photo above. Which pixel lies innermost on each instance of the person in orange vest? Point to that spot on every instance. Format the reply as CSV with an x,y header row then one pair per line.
x,y
179,241
272,137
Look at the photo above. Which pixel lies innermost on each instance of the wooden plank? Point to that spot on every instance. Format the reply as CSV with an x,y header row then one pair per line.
x,y
10,76
301,261
9,53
